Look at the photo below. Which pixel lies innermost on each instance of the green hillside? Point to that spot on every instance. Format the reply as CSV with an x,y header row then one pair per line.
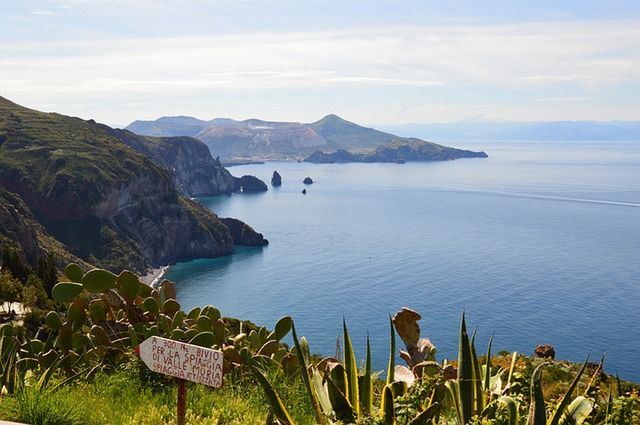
x,y
107,203
348,135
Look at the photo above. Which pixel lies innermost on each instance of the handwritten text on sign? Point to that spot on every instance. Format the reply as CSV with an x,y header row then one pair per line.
x,y
182,360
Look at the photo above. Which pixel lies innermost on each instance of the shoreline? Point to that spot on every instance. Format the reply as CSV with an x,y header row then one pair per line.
x,y
154,277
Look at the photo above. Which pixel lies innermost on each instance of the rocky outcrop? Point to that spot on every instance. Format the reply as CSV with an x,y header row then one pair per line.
x,y
103,200
243,234
276,180
545,351
250,184
399,151
195,172
20,230
307,180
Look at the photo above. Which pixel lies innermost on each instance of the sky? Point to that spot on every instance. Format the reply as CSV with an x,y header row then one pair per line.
x,y
373,62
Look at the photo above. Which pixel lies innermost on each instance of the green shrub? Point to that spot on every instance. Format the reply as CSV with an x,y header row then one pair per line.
x,y
44,408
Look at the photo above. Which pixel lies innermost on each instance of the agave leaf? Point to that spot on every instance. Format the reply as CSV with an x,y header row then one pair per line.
x,y
351,368
537,413
453,400
465,373
277,407
304,372
427,416
487,369
306,352
323,397
478,395
514,356
512,407
609,405
367,384
386,406
594,378
392,353
564,401
620,393
577,412
343,409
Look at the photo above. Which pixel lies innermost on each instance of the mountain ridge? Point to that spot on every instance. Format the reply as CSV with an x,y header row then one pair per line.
x,y
255,139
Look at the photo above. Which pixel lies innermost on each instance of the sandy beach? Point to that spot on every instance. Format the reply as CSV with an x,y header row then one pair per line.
x,y
154,277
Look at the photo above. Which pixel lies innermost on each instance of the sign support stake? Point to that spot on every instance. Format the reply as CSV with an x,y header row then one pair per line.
x,y
185,362
182,400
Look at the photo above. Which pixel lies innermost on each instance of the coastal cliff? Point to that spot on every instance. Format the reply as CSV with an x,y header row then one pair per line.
x,y
195,172
102,200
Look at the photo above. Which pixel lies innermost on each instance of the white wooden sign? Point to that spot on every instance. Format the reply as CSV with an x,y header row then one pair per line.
x,y
182,360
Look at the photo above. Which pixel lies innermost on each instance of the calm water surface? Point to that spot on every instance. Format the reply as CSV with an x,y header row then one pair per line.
x,y
539,243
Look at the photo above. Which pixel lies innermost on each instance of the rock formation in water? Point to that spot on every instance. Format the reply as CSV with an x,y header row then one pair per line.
x,y
276,180
243,234
307,180
250,184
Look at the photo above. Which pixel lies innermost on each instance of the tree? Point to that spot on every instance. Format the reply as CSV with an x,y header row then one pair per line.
x,y
10,290
48,272
34,295
12,263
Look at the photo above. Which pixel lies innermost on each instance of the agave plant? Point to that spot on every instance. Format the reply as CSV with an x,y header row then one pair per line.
x,y
566,412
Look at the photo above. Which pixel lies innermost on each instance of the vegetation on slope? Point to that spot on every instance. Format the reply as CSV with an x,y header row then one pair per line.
x,y
99,197
398,150
84,352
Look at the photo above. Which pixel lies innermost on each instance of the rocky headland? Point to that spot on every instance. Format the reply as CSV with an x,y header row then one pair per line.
x,y
399,151
105,196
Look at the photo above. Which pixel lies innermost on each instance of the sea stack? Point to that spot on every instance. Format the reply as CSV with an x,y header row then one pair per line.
x,y
276,180
250,184
307,180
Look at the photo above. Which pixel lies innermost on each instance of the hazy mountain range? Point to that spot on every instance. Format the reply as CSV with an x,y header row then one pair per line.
x,y
258,139
253,138
542,131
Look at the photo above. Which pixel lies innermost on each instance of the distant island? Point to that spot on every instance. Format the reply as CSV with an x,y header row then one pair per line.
x,y
331,139
398,151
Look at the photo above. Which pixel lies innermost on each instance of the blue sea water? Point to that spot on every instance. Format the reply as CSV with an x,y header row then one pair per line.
x,y
539,243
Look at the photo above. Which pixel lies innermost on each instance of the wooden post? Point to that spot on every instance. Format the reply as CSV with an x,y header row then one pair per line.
x,y
182,401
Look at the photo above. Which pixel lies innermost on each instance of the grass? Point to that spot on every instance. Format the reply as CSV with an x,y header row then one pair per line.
x,y
35,407
132,395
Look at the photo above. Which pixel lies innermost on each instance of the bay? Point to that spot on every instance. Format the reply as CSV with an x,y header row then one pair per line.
x,y
539,243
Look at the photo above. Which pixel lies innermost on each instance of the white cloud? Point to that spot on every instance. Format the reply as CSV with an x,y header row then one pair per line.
x,y
505,58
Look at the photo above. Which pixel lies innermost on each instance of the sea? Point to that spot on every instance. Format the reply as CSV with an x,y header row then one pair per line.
x,y
537,244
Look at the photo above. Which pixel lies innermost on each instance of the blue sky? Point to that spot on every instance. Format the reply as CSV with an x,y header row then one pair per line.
x,y
375,62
